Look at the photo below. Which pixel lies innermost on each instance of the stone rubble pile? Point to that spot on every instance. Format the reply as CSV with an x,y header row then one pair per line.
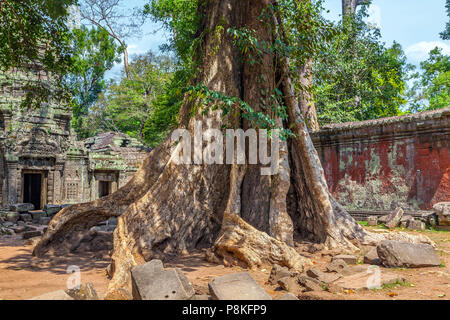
x,y
21,218
439,218
152,281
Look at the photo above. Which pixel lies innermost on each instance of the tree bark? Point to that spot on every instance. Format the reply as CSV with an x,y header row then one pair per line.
x,y
306,100
169,208
349,6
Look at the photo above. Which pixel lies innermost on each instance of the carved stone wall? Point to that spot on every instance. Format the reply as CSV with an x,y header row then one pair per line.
x,y
42,142
381,164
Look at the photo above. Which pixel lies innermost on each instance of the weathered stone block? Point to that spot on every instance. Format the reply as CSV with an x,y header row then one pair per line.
x,y
310,284
21,207
416,225
443,213
151,282
12,217
349,259
394,218
322,276
37,215
277,273
372,221
404,254
336,265
372,257
237,286
26,217
289,284
367,280
51,209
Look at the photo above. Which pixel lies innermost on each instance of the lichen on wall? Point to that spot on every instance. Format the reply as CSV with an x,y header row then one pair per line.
x,y
386,163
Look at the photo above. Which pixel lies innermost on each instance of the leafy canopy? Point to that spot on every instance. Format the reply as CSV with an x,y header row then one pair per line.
x,y
34,34
94,53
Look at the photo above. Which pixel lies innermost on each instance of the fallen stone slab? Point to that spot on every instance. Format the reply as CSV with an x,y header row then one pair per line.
x,y
372,258
55,295
322,276
21,207
349,259
289,284
405,254
277,273
151,282
310,284
394,218
371,279
237,286
336,265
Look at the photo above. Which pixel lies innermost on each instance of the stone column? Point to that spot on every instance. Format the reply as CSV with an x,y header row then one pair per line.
x,y
12,180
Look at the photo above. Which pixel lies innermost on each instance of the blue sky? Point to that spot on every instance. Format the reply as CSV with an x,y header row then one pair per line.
x,y
415,24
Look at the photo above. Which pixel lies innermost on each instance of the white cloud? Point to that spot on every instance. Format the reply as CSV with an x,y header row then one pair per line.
x,y
374,18
419,51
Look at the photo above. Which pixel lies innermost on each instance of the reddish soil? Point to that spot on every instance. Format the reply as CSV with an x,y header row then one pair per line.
x,y
23,277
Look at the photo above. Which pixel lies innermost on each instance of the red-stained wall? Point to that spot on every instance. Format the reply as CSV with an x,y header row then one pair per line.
x,y
381,164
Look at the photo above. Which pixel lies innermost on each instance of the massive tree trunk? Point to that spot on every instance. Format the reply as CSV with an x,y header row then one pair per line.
x,y
170,208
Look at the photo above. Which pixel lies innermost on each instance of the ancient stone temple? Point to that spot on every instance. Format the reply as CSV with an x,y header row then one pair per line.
x,y
41,162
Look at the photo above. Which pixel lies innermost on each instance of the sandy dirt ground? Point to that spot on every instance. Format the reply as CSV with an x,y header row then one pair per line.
x,y
23,276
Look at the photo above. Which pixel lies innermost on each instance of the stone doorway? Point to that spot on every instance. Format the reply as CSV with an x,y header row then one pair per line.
x,y
104,188
32,189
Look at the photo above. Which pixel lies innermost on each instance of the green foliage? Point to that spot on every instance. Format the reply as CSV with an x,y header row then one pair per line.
x,y
181,18
34,33
128,105
445,35
94,53
432,90
165,109
356,77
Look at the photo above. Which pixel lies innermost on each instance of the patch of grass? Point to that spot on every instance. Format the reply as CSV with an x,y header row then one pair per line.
x,y
431,229
442,265
363,223
396,284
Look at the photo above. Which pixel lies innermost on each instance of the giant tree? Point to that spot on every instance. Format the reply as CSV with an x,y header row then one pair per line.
x,y
244,80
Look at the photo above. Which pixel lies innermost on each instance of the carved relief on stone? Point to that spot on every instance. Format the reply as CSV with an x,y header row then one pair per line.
x,y
38,141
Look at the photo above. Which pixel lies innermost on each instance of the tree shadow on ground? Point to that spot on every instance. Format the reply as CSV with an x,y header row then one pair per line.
x,y
23,260
189,263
